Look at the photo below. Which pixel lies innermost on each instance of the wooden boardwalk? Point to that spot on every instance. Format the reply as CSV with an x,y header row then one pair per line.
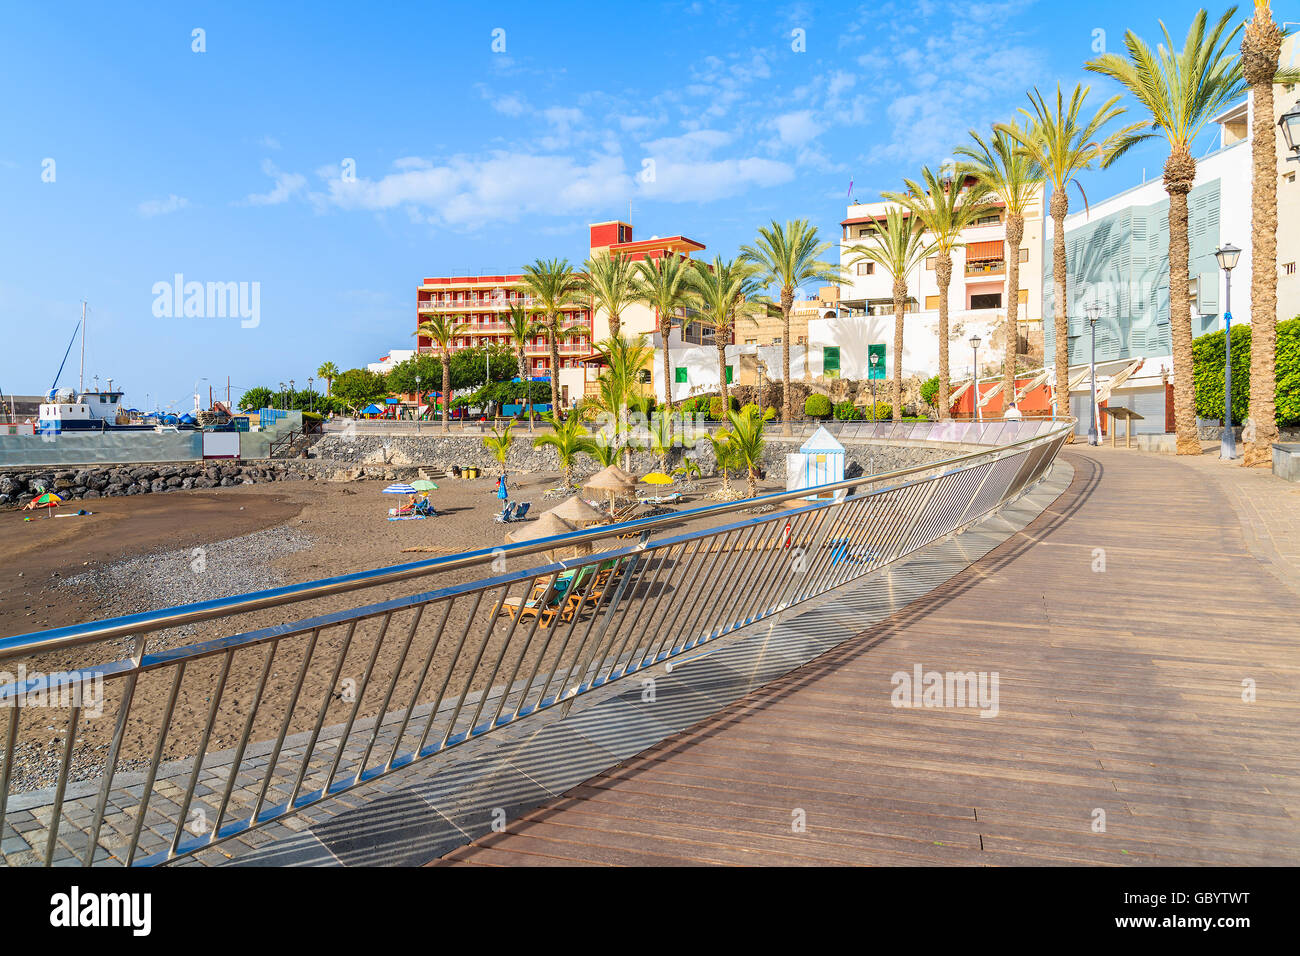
x,y
1120,692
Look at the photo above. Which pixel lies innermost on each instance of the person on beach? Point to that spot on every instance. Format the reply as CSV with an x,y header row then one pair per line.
x,y
503,494
1012,413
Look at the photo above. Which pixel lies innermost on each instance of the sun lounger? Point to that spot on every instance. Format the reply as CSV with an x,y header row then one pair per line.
x,y
521,510
507,513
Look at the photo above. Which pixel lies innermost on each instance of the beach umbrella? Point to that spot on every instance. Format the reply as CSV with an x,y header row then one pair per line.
x,y
424,484
577,512
613,481
399,489
657,478
547,525
47,500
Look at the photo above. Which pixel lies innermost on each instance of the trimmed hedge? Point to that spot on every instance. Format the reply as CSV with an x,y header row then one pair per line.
x,y
930,390
1207,373
848,412
817,406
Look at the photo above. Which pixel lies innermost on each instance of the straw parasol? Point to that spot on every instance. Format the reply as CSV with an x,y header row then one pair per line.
x,y
547,525
577,512
612,480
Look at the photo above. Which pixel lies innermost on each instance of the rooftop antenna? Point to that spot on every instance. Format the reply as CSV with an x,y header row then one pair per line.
x,y
81,385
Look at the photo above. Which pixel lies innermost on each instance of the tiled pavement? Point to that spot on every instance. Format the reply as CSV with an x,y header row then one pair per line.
x,y
420,812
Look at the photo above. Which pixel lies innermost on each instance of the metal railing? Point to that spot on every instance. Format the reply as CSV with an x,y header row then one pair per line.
x,y
351,693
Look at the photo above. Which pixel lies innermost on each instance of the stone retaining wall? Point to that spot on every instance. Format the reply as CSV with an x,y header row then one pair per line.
x,y
20,487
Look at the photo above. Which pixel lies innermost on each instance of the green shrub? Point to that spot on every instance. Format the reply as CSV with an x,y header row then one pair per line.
x,y
769,413
1207,373
884,410
930,390
817,406
847,412
717,410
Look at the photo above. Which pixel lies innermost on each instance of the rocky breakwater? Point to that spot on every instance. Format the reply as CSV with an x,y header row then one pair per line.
x,y
18,488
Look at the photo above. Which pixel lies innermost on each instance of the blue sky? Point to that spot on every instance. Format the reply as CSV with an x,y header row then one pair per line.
x,y
231,165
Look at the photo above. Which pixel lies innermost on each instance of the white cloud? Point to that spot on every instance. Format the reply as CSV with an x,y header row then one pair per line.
x,y
286,185
796,129
161,207
269,142
510,105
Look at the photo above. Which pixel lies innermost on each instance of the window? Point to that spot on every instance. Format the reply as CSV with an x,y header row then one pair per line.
x,y
1024,255
866,268
1289,177
931,303
830,358
863,232
1289,268
931,262
751,341
679,375
987,300
990,220
777,340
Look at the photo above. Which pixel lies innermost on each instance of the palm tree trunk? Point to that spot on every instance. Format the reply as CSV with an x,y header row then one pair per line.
x,y
787,396
1060,208
1260,47
900,297
1015,233
446,393
553,339
665,327
943,276
528,395
721,343
1180,173
752,487
614,324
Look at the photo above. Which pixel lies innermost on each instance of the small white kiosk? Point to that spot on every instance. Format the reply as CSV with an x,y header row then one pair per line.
x,y
819,461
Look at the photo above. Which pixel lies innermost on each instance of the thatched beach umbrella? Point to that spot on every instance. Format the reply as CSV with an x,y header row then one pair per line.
x,y
612,480
547,525
577,511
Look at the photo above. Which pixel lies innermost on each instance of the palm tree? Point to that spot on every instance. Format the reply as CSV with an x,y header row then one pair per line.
x,y
520,329
1015,178
724,455
1182,90
569,438
554,286
663,285
608,285
1261,45
789,256
720,291
442,330
620,383
944,209
499,444
661,437
898,247
328,371
1065,143
747,445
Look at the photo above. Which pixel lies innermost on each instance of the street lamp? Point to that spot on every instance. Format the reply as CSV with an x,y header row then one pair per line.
x,y
1228,256
282,394
311,395
1094,313
289,397
975,372
1290,123
875,360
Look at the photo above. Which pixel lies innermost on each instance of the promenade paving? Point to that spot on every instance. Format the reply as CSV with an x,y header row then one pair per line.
x,y
1144,634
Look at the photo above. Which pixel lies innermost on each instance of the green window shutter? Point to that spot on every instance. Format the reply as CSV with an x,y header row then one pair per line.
x,y
679,375
830,358
728,374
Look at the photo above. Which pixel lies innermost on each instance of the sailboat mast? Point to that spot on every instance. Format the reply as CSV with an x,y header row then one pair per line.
x,y
83,350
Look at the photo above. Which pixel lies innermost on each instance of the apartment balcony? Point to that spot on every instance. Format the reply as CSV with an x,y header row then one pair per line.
x,y
473,305
986,270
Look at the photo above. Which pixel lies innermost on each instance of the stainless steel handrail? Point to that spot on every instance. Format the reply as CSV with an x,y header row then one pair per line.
x,y
53,638
522,641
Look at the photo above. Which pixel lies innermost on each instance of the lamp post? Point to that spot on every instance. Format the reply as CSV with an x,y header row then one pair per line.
x,y
311,394
289,397
1227,256
1290,123
975,372
1094,312
282,394
875,360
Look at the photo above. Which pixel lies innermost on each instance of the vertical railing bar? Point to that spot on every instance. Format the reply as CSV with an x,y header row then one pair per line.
x,y
273,759
526,690
749,594
392,686
837,522
786,551
728,581
152,774
271,650
11,744
630,644
356,704
478,658
639,571
684,574
856,524
327,696
419,685
790,580
202,750
505,647
579,672
577,652
110,769
56,811
455,657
